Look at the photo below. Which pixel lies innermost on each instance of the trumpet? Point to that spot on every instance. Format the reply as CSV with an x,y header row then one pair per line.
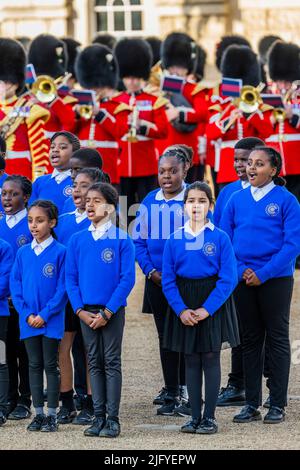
x,y
250,99
132,134
44,88
86,111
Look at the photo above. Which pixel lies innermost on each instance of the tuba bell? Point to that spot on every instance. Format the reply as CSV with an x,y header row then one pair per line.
x,y
44,88
250,99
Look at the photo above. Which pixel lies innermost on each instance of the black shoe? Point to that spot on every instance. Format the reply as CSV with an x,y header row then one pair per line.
x,y
65,416
79,401
275,415
20,412
183,393
267,403
112,428
84,418
2,418
247,414
97,426
160,398
231,396
49,424
191,426
36,423
207,426
168,408
183,409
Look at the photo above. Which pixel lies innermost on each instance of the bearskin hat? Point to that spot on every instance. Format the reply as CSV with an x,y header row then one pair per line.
x,y
49,55
13,62
73,49
155,44
201,60
227,41
96,67
134,57
179,49
241,62
264,45
105,40
284,61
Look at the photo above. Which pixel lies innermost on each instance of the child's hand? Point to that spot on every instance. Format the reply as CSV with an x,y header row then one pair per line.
x,y
247,273
38,322
87,317
156,278
253,280
30,319
98,322
201,313
189,317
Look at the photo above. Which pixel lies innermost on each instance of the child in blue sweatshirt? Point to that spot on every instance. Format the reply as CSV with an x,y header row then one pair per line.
x,y
68,224
100,273
6,262
57,187
263,222
160,214
38,291
14,230
198,278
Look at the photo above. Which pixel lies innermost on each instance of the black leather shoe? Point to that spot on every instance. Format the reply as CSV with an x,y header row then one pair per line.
x,y
36,423
20,412
275,415
207,426
160,398
112,428
65,416
231,396
168,408
97,426
183,409
267,403
191,426
2,418
49,424
84,418
247,414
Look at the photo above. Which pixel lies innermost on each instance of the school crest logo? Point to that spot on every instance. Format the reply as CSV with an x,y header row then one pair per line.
x,y
108,255
22,240
68,191
180,212
49,270
272,209
209,249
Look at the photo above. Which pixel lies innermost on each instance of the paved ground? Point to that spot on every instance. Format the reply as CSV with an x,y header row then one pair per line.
x,y
142,429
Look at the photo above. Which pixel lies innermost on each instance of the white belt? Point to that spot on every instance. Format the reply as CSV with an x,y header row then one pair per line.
x,y
220,145
14,154
283,138
49,134
103,144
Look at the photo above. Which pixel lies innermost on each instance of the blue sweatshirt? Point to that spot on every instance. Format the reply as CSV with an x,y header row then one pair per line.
x,y
46,187
6,262
16,236
155,222
2,179
67,225
223,198
37,285
208,254
68,206
265,234
100,272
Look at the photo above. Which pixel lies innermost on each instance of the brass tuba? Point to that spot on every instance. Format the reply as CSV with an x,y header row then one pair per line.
x,y
44,88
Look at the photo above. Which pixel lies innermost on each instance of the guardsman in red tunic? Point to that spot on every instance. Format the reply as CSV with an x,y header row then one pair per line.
x,y
230,122
22,121
49,57
284,69
97,70
138,159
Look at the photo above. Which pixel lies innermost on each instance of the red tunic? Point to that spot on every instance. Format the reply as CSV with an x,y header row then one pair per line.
x,y
140,158
286,139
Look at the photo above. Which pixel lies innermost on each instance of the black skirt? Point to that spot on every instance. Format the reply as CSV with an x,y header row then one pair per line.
x,y
216,332
72,322
154,300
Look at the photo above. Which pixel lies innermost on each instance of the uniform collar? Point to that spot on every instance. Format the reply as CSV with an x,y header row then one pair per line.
x,y
159,196
188,228
245,184
60,176
79,216
14,219
259,193
98,232
38,248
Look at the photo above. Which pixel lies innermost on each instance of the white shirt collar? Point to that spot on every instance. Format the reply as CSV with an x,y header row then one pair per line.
x,y
14,219
60,176
188,228
38,248
98,232
160,195
79,217
245,184
259,193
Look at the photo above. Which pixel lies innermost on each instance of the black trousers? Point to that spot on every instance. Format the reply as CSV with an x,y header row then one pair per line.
x,y
79,360
293,185
104,347
136,189
43,356
172,363
4,378
17,360
264,315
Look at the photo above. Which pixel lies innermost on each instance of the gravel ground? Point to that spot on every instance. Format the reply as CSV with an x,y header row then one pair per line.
x,y
142,379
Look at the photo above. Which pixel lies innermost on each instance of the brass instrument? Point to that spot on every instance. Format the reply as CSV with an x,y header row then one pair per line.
x,y
291,95
156,75
86,111
250,99
279,114
132,134
44,88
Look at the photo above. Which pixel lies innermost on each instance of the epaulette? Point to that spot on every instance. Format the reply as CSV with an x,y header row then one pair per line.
x,y
200,87
122,107
69,100
215,107
160,102
37,112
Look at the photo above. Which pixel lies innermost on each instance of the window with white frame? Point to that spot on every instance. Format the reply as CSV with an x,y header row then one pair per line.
x,y
119,16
